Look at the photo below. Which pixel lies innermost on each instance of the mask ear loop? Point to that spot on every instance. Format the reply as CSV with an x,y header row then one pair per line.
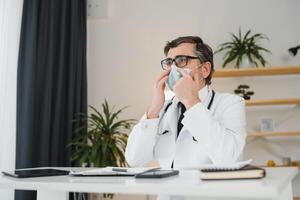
x,y
200,66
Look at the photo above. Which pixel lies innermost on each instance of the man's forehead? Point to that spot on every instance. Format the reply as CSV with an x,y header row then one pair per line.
x,y
182,49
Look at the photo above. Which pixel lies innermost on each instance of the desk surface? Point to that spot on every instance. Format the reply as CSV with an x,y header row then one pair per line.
x,y
187,183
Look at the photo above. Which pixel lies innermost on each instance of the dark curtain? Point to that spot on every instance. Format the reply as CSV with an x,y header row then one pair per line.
x,y
52,83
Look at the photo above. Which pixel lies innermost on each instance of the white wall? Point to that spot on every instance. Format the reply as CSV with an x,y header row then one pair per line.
x,y
10,23
124,53
124,50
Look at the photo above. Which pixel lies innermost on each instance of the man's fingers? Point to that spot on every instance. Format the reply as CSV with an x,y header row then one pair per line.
x,y
162,81
165,73
184,73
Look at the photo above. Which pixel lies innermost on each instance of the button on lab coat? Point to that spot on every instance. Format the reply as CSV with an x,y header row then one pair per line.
x,y
208,136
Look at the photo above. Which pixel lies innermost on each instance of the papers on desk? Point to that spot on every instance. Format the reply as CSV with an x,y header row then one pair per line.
x,y
111,171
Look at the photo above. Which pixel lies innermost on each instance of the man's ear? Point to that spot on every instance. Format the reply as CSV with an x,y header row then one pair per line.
x,y
206,68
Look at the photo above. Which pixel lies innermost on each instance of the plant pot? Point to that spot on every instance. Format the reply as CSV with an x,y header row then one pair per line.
x,y
99,196
246,63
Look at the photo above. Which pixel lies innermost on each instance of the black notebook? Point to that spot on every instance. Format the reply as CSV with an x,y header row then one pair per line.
x,y
246,172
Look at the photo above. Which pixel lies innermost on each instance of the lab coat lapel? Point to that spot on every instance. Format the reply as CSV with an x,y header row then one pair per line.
x,y
171,117
204,95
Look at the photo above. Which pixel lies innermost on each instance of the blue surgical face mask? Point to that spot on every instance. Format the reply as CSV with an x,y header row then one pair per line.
x,y
175,75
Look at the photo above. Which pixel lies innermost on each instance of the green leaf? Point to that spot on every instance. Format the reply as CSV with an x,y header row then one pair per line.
x,y
246,35
230,58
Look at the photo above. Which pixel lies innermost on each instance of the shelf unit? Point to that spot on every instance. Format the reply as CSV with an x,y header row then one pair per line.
x,y
265,102
264,71
279,166
265,134
260,71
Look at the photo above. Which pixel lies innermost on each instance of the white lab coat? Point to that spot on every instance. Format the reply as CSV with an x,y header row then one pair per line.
x,y
219,133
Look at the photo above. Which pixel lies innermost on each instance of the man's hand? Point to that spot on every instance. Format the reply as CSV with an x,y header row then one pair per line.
x,y
186,89
158,98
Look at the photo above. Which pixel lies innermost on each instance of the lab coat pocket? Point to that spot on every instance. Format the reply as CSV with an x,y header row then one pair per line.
x,y
164,132
164,147
194,139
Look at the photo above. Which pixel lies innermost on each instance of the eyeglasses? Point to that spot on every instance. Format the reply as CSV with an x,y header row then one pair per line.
x,y
180,61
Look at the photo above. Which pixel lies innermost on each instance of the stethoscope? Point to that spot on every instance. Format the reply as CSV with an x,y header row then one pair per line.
x,y
169,104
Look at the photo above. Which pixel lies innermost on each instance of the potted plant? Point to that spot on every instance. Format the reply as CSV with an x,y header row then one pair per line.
x,y
243,91
104,142
245,50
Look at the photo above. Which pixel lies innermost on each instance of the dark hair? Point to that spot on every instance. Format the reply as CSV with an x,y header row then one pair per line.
x,y
202,50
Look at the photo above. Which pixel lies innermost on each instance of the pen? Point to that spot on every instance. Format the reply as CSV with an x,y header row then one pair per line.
x,y
119,169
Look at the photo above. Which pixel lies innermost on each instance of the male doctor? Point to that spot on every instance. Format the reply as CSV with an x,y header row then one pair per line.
x,y
198,125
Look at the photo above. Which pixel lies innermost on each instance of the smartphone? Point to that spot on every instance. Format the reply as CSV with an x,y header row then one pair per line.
x,y
157,174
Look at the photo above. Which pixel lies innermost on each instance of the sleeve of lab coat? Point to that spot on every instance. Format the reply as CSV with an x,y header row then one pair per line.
x,y
141,141
223,138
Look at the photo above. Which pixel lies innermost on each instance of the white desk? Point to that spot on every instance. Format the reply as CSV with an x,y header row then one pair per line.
x,y
276,185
